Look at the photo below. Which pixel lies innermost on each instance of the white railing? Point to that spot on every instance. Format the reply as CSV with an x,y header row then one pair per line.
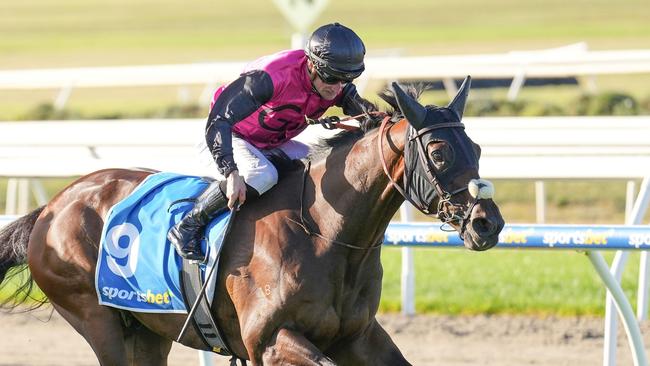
x,y
512,147
572,60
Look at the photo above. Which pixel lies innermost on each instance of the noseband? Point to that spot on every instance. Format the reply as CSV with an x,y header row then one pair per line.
x,y
444,210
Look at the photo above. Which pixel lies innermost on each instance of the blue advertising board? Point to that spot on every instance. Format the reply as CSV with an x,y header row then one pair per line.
x,y
610,237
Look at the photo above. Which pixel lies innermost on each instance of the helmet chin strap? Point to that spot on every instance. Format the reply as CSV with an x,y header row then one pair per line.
x,y
312,76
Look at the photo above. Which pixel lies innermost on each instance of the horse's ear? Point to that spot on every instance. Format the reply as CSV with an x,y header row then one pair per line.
x,y
457,105
414,112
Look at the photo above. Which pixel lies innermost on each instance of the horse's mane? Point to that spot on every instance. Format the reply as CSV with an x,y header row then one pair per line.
x,y
366,123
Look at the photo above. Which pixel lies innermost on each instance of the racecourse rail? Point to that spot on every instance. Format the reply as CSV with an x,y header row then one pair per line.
x,y
535,149
567,61
572,237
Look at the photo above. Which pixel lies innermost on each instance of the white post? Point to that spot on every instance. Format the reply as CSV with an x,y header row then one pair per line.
x,y
12,196
408,268
625,310
450,87
517,82
644,268
62,97
611,322
629,198
39,192
591,84
642,291
635,217
540,202
23,196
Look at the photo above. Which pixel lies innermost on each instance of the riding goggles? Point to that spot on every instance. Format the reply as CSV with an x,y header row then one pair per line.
x,y
331,79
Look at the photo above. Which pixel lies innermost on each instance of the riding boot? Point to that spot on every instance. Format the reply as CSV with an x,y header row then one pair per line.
x,y
187,234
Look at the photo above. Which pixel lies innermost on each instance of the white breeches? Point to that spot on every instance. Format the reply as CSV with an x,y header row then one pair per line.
x,y
253,166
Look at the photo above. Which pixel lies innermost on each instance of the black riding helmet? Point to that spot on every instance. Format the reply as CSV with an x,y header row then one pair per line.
x,y
336,52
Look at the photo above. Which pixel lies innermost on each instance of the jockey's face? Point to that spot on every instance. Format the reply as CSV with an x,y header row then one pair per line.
x,y
327,90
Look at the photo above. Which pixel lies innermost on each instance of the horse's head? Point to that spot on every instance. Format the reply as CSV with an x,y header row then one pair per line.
x,y
441,170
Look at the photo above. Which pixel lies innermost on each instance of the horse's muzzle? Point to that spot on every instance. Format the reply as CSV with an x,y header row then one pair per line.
x,y
485,224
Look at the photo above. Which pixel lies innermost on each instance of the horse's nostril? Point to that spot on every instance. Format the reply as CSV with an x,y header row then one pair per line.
x,y
483,227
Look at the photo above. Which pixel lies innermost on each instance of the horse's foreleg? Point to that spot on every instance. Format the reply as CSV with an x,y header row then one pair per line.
x,y
373,347
292,348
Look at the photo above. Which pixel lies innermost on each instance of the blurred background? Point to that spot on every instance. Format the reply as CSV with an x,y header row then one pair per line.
x,y
71,34
67,33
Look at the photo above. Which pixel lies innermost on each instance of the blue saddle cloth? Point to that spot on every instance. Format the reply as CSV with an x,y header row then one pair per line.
x,y
138,269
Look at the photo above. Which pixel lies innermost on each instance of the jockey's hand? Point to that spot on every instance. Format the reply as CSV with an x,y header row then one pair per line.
x,y
235,189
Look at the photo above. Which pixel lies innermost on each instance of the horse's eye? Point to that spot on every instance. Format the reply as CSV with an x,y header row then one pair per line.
x,y
436,155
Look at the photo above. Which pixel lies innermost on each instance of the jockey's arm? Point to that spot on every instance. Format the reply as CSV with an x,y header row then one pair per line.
x,y
237,101
352,103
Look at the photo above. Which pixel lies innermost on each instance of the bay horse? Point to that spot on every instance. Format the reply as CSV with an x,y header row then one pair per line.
x,y
300,276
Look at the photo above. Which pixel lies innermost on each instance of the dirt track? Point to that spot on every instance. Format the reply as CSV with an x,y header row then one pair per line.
x,y
424,340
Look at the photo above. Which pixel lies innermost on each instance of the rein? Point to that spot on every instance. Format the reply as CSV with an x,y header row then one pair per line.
x,y
303,224
334,122
444,200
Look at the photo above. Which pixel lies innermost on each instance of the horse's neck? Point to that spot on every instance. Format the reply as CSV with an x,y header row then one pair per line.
x,y
355,200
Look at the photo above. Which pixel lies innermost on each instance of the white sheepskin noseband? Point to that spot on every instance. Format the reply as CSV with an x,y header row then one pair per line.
x,y
481,188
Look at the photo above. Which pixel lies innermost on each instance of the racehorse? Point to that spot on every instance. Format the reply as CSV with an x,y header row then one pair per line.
x,y
300,276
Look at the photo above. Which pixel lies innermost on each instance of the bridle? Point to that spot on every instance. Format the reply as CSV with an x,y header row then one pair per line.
x,y
446,211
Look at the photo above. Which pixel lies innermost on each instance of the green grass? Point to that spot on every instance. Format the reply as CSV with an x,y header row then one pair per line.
x,y
567,201
73,32
14,278
452,281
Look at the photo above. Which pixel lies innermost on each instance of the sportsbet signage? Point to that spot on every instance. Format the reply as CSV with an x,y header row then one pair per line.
x,y
533,236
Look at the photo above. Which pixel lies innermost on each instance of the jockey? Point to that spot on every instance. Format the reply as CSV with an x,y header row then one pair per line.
x,y
253,119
